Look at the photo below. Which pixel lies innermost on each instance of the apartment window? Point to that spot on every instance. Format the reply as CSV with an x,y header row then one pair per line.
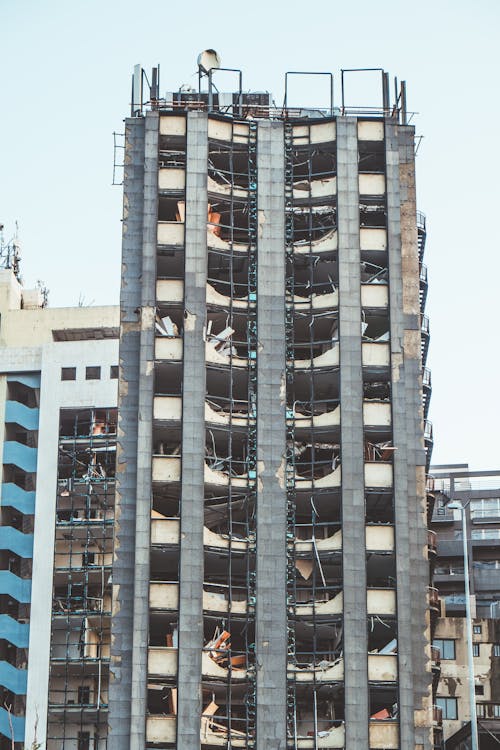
x,y
68,373
446,647
113,372
475,649
84,695
479,689
448,706
477,629
83,740
92,373
496,649
485,534
486,507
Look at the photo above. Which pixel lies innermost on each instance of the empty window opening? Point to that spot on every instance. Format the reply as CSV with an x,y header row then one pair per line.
x,y
383,702
68,373
92,373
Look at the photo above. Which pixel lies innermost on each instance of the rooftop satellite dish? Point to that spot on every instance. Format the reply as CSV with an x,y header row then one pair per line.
x,y
208,60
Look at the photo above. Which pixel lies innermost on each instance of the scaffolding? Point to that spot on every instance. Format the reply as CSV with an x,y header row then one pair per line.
x,y
81,603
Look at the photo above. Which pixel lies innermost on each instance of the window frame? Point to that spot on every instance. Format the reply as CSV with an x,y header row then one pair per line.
x,y
442,648
444,702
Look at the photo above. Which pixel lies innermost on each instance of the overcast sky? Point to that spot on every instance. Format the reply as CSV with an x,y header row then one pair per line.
x,y
65,87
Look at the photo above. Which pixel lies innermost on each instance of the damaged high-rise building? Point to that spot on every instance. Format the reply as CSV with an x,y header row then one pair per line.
x,y
269,586
271,574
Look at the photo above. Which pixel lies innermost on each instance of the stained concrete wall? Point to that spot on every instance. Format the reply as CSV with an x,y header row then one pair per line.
x,y
271,632
128,414
409,459
454,680
351,430
144,437
193,437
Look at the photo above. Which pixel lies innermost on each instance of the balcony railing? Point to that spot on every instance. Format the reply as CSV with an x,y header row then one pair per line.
x,y
488,710
434,600
431,541
435,655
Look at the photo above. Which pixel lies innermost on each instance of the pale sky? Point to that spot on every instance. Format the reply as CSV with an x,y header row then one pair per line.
x,y
65,87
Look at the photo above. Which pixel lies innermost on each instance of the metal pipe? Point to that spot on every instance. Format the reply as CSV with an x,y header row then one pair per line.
x,y
404,113
470,652
210,92
455,505
385,93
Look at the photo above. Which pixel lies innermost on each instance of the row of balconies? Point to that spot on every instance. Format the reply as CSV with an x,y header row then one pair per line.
x,y
372,239
164,595
167,469
312,133
174,180
162,664
383,735
166,531
168,409
374,354
171,291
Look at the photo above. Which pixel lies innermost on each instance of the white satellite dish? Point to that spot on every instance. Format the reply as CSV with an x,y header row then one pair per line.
x,y
208,60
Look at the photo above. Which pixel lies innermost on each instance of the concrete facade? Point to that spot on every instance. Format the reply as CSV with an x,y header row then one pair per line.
x,y
479,493
33,349
287,427
266,581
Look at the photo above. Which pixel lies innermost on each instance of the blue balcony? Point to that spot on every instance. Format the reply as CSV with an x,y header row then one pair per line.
x,y
22,415
17,542
30,379
15,587
17,633
15,680
20,455
14,496
17,726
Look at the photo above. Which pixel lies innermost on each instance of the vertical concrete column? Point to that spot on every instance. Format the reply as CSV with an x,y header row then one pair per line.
x,y
43,554
193,436
351,431
144,437
271,635
409,460
126,468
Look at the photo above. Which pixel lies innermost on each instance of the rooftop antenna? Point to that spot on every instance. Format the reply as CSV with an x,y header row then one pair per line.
x,y
10,252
